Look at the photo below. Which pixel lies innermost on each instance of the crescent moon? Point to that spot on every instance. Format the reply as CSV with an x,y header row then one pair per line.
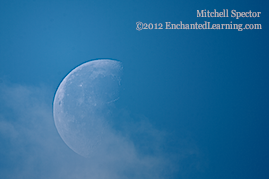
x,y
82,104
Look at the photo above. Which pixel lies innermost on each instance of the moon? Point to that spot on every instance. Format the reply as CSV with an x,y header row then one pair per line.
x,y
83,104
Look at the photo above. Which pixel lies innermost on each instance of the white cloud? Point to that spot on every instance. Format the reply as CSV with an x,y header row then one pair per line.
x,y
32,148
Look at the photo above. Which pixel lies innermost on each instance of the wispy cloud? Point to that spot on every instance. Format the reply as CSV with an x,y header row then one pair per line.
x,y
32,148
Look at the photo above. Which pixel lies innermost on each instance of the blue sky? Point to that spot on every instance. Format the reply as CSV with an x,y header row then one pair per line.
x,y
193,103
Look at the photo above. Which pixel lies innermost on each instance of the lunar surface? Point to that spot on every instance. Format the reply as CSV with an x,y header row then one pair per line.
x,y
83,103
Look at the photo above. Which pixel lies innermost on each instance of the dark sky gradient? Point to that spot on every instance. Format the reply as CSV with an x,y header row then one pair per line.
x,y
193,103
